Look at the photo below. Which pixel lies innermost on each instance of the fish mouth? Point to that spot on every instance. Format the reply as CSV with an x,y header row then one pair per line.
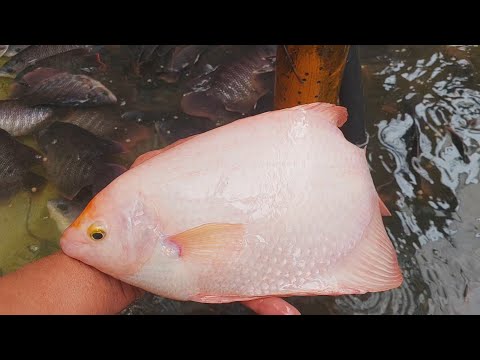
x,y
107,97
70,244
112,98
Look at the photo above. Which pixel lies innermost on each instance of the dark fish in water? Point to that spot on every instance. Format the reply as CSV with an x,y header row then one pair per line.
x,y
106,122
147,54
64,212
76,159
19,119
179,59
16,160
3,49
214,57
232,88
34,53
101,121
14,50
74,61
46,86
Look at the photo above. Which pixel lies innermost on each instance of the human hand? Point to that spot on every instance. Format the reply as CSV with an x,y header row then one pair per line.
x,y
58,284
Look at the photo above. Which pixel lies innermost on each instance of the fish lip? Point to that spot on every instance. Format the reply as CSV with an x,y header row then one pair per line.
x,y
68,245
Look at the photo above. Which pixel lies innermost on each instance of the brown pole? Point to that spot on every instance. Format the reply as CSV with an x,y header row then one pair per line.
x,y
308,73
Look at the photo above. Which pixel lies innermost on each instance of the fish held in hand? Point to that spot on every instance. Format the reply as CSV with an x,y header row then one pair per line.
x,y
75,159
16,161
47,86
19,119
279,204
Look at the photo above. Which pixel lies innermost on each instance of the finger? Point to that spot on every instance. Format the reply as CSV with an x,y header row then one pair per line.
x,y
271,306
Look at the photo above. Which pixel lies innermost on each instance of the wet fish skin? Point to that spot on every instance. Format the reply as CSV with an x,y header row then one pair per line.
x,y
212,58
76,158
76,61
34,53
101,121
47,86
232,88
19,119
106,122
250,210
16,160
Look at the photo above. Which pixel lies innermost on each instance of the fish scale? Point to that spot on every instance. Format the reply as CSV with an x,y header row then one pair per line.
x,y
233,87
76,158
46,86
18,119
16,160
70,171
105,122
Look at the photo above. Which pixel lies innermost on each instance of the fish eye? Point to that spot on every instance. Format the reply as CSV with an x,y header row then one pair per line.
x,y
97,232
63,207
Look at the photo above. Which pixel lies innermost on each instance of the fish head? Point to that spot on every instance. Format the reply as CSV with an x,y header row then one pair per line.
x,y
113,233
101,96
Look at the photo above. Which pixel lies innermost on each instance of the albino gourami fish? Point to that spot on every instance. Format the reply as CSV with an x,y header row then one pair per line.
x,y
274,205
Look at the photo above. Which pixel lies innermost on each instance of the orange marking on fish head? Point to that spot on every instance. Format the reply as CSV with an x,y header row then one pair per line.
x,y
90,211
114,234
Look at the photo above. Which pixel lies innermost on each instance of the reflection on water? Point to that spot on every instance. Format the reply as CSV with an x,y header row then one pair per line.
x,y
423,106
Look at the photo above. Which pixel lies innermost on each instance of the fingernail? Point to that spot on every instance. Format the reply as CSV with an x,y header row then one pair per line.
x,y
287,310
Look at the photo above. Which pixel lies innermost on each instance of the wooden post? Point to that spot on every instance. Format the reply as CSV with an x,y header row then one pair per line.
x,y
309,73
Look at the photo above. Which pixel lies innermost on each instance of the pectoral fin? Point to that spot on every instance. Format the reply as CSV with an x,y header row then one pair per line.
x,y
210,243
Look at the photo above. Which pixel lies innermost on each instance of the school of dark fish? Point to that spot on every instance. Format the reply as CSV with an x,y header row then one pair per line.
x,y
82,122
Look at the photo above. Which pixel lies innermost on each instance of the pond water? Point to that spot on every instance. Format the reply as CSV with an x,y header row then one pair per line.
x,y
423,122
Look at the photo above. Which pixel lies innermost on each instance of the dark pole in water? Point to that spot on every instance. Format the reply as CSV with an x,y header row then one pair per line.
x,y
352,97
326,73
309,73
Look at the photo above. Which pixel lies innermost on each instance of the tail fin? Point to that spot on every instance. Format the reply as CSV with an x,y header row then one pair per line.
x,y
373,265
